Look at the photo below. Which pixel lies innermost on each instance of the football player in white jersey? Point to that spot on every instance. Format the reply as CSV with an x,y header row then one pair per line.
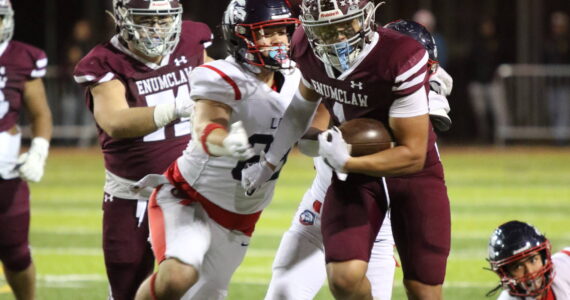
x,y
200,219
520,255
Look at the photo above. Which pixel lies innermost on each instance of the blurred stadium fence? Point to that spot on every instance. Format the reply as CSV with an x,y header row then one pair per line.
x,y
73,123
537,101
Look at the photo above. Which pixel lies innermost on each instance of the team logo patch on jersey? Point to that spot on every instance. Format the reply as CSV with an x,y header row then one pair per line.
x,y
307,218
181,60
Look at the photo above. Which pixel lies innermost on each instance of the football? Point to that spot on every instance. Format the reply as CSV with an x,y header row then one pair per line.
x,y
366,136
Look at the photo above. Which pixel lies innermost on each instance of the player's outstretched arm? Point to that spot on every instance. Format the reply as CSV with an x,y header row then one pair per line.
x,y
296,120
211,121
31,164
113,114
309,143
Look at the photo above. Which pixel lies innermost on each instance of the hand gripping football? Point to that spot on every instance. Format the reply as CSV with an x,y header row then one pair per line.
x,y
366,136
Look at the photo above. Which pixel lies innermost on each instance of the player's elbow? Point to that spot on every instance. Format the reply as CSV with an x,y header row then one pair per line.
x,y
416,162
115,129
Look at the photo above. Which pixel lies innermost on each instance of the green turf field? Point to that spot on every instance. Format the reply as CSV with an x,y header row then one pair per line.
x,y
486,187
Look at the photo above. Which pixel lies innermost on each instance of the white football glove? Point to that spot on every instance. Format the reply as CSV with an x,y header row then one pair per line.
x,y
237,144
31,164
438,111
255,175
164,113
184,107
444,80
441,84
334,149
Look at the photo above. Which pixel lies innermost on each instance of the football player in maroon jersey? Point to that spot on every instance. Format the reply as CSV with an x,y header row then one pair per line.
x,y
138,91
21,88
361,71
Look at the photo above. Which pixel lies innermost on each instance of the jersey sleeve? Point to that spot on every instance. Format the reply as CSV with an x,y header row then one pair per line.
x,y
217,81
409,65
207,36
40,63
93,69
37,61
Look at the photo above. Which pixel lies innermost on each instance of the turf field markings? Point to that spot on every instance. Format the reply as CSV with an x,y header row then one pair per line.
x,y
67,251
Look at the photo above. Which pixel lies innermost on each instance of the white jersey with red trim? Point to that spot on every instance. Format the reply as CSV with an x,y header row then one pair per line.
x,y
560,284
259,107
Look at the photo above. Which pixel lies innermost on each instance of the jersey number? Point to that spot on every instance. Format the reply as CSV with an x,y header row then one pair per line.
x,y
180,128
262,139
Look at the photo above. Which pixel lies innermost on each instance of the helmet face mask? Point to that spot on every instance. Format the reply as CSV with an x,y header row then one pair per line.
x,y
338,30
259,32
513,245
151,27
7,22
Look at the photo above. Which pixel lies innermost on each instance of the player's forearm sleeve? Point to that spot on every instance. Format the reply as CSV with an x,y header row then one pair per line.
x,y
296,121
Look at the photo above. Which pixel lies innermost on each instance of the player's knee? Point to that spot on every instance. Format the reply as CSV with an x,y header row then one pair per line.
x,y
346,277
174,279
16,258
418,290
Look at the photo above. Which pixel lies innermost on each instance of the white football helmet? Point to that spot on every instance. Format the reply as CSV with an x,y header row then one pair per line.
x,y
151,26
338,29
7,24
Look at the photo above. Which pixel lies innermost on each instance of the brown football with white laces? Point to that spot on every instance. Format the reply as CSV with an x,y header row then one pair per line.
x,y
366,136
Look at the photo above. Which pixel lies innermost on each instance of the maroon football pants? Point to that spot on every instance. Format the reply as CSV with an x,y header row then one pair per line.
x,y
14,224
421,224
420,214
128,256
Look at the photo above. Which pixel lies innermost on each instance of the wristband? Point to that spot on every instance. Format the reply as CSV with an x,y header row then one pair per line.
x,y
209,128
164,113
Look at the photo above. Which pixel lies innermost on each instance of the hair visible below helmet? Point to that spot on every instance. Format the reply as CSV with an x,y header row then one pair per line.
x,y
323,21
244,19
419,33
157,39
7,27
512,242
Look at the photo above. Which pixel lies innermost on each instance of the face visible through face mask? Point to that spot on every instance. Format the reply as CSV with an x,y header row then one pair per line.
x,y
338,43
154,25
273,43
524,269
336,33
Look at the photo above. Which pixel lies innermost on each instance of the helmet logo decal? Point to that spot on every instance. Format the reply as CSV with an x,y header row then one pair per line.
x,y
238,12
522,249
329,8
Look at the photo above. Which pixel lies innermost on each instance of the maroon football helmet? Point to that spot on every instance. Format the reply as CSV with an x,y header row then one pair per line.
x,y
338,29
7,24
151,26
